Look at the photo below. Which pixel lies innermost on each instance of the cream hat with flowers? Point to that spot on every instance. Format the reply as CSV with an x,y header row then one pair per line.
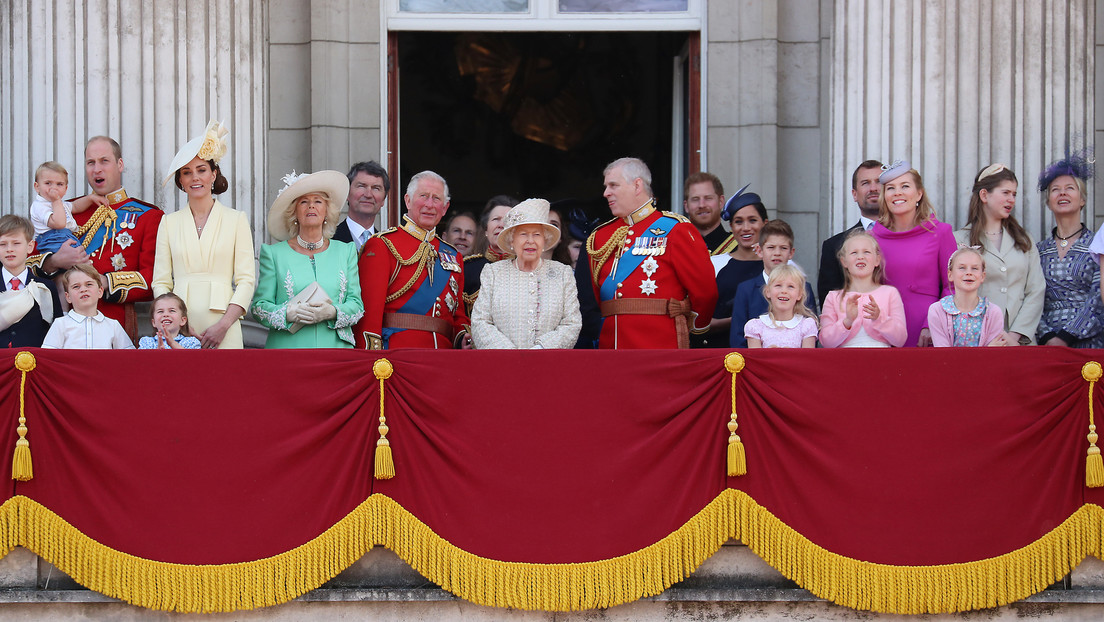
x,y
332,183
528,212
211,145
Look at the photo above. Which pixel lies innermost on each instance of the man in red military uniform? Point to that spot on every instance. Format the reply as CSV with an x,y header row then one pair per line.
x,y
411,281
650,270
120,237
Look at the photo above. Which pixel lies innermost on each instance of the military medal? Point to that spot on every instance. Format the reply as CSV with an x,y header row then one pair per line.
x,y
124,239
649,266
647,287
448,261
649,246
118,261
450,302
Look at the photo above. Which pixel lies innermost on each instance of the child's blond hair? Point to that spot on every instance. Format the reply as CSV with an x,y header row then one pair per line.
x,y
82,268
878,275
786,271
51,166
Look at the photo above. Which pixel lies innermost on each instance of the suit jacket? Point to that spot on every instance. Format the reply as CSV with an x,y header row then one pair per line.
x,y
830,276
750,303
31,330
210,271
342,233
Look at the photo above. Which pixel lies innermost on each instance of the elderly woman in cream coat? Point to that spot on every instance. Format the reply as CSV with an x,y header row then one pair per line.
x,y
205,252
527,302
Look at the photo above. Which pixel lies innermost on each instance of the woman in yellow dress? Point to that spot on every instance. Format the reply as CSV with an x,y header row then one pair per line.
x,y
205,253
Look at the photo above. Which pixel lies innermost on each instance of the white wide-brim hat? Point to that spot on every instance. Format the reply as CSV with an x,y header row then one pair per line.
x,y
210,145
528,212
332,183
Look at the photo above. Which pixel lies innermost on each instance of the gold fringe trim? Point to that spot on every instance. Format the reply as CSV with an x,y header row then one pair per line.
x,y
557,587
554,587
943,588
184,587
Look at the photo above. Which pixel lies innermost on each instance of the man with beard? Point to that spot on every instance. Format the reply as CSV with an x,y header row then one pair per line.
x,y
703,197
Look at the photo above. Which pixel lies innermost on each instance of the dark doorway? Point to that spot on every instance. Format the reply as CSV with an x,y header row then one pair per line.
x,y
534,114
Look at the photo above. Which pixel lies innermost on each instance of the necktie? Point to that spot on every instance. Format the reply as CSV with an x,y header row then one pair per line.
x,y
363,237
16,284
870,226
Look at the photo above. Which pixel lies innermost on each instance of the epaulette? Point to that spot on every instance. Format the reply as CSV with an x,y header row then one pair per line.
x,y
385,232
678,217
472,257
144,204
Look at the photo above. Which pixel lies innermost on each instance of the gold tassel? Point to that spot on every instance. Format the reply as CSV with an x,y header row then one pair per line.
x,y
1094,466
737,460
384,466
22,469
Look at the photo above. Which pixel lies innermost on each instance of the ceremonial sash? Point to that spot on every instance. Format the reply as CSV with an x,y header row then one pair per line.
x,y
126,212
423,298
629,261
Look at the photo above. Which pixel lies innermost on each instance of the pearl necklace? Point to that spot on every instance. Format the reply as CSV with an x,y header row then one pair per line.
x,y
310,246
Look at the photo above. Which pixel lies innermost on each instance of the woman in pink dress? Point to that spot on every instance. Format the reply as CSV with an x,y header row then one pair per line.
x,y
915,246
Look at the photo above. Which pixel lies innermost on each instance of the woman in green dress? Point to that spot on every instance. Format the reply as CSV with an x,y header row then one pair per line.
x,y
308,290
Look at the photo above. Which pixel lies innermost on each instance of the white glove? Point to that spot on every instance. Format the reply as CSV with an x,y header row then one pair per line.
x,y
316,312
292,312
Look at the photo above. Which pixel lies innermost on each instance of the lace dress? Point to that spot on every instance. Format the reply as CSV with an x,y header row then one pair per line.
x,y
518,309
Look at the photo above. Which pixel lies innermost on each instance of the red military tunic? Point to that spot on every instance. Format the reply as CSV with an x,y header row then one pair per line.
x,y
661,256
122,241
395,269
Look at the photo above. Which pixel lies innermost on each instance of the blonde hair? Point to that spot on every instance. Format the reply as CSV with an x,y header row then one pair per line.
x,y
51,166
879,270
786,271
333,214
962,250
924,210
81,268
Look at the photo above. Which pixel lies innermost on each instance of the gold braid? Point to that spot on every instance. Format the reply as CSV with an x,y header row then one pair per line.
x,y
600,256
424,256
102,214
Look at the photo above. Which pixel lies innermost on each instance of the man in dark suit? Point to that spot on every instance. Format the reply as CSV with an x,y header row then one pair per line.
x,y
368,188
24,297
865,190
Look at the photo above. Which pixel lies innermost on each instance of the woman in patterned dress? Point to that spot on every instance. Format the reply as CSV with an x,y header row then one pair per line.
x,y
1072,308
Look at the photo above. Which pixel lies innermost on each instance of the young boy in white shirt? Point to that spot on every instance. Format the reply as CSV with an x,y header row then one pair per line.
x,y
84,327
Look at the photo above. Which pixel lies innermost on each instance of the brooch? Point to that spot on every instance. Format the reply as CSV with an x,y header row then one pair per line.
x,y
649,266
124,239
118,261
647,287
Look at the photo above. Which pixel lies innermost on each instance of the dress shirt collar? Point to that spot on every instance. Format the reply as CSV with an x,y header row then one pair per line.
x,y
355,229
413,229
640,213
8,276
79,319
867,223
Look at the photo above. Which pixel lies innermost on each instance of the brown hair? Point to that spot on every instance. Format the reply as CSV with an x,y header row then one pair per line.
x,y
776,227
186,329
868,164
115,148
702,176
82,268
975,217
924,210
10,223
879,270
221,184
51,166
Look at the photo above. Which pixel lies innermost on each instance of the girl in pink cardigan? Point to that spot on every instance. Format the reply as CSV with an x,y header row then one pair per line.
x,y
965,318
866,313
